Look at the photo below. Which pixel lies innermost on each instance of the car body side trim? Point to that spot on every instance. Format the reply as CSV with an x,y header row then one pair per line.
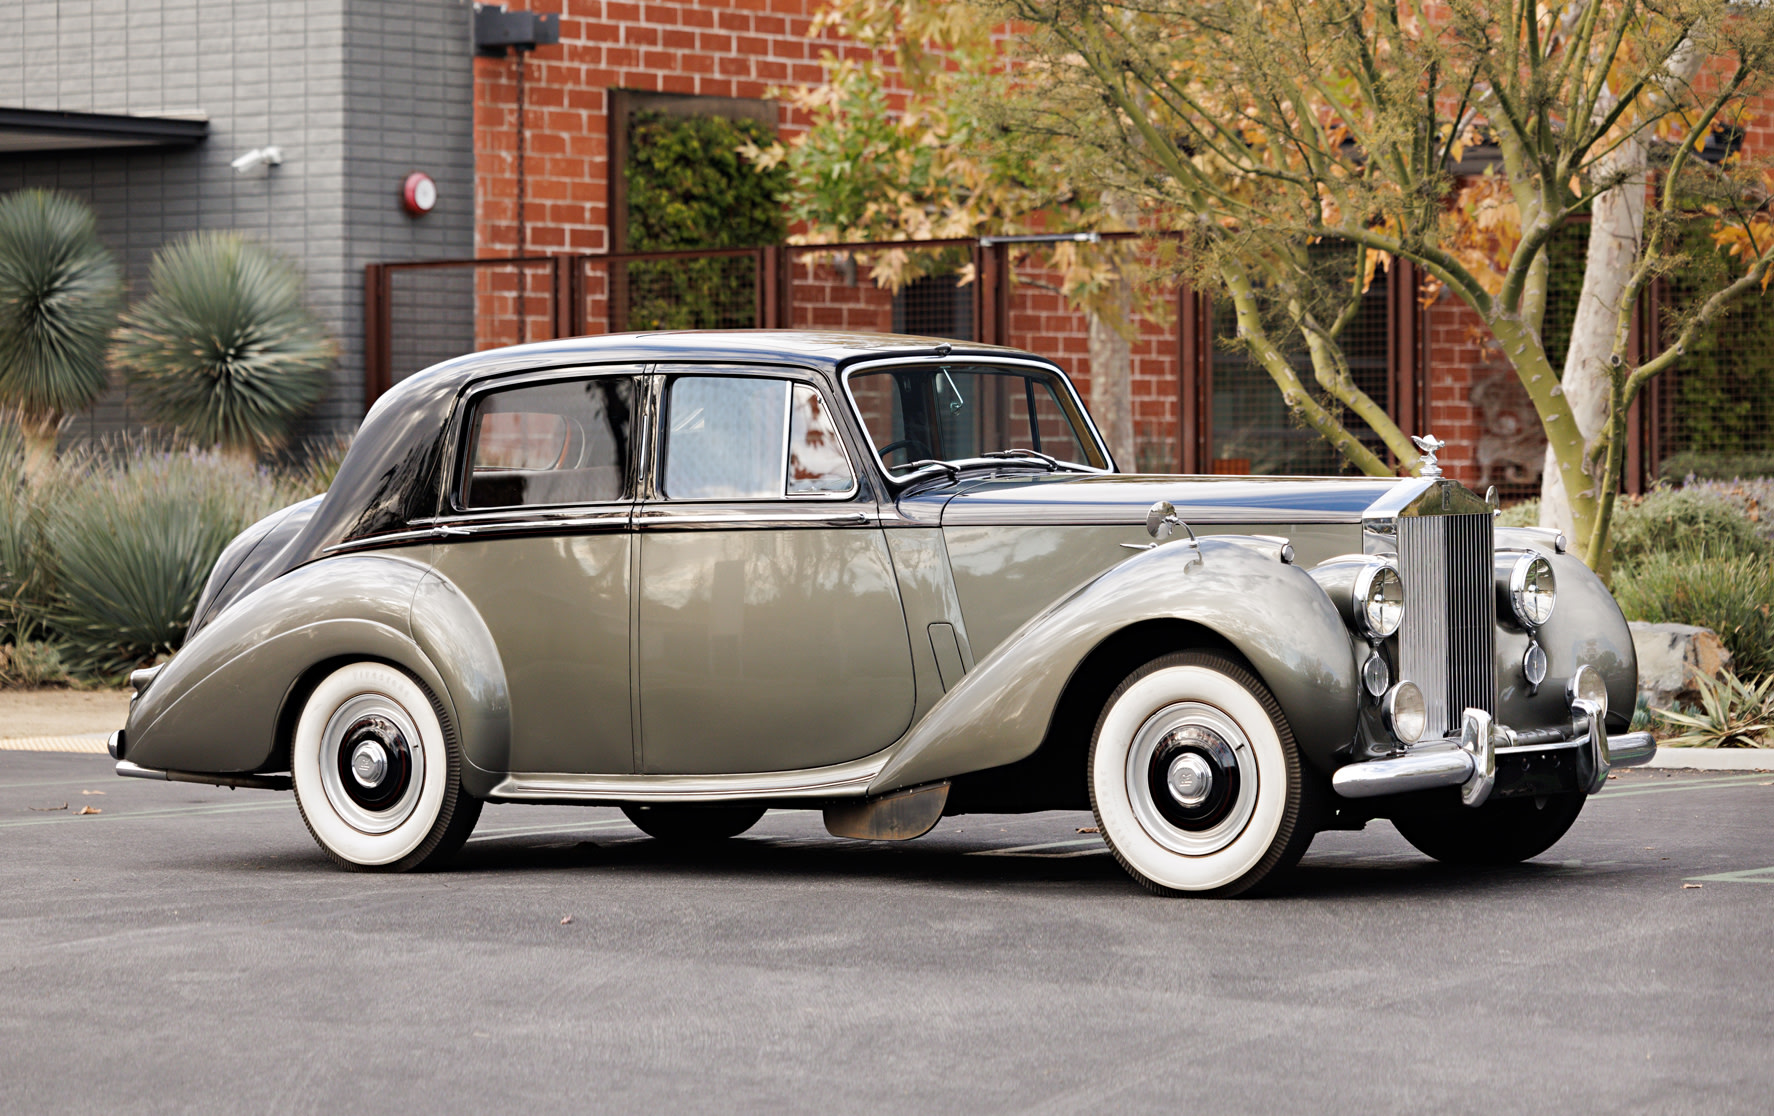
x,y
844,780
679,518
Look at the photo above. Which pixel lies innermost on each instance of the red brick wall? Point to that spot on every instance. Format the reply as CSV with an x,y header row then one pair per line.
x,y
718,48
741,48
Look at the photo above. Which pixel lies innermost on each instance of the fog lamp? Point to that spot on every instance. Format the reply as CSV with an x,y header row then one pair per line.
x,y
1405,713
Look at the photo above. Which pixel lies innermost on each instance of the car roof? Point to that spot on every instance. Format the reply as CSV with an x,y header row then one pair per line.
x,y
390,477
831,350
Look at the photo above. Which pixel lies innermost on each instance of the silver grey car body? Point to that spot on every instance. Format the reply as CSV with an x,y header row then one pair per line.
x,y
934,638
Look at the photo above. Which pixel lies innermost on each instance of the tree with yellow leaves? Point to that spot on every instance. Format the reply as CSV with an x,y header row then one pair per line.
x,y
1265,125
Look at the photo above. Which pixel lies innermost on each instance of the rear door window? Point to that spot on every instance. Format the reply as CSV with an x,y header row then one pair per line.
x,y
562,442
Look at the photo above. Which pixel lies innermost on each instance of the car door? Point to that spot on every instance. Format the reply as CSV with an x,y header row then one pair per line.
x,y
771,632
539,537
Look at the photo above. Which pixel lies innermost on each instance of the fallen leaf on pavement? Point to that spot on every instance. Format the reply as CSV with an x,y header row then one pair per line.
x,y
92,792
1687,886
1088,829
48,809
87,810
566,920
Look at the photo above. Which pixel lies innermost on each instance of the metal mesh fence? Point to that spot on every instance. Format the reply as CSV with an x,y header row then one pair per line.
x,y
1252,429
1714,411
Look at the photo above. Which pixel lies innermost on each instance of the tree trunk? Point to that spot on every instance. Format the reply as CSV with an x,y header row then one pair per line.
x,y
1616,234
1111,374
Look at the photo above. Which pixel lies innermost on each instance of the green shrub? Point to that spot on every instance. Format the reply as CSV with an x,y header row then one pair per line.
x,y
1734,596
1716,466
1733,713
132,544
1524,514
31,663
60,291
224,350
1682,521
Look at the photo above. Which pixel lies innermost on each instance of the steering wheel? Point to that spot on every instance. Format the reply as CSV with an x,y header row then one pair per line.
x,y
907,444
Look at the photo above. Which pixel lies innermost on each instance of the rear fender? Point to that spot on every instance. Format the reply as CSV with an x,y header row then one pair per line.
x,y
227,698
1272,613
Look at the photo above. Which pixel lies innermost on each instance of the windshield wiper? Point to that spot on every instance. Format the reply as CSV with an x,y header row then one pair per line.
x,y
1052,462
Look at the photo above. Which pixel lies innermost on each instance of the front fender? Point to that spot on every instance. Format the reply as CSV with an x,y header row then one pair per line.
x,y
1274,614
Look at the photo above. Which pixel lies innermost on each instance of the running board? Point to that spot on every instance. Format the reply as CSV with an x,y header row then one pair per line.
x,y
844,780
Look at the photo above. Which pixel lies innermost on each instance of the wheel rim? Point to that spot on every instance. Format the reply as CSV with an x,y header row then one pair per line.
x,y
1192,778
372,763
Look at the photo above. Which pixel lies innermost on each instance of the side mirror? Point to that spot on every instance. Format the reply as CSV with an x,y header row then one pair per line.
x,y
1162,520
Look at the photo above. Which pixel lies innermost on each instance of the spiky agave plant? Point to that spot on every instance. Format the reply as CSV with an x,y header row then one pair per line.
x,y
60,290
224,349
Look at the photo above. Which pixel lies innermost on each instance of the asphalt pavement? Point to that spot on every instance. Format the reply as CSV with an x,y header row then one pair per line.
x,y
190,949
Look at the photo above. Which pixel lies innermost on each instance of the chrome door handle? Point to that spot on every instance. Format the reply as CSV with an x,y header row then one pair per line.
x,y
856,520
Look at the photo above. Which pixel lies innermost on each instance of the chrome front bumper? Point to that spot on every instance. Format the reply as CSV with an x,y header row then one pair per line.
x,y
1469,761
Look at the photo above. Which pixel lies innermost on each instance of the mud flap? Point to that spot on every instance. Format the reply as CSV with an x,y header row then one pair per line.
x,y
896,816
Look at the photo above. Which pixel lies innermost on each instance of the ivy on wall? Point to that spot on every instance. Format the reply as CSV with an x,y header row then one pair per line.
x,y
689,187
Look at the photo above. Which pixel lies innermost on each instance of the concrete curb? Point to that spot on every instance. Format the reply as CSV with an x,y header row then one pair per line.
x,y
1714,759
86,742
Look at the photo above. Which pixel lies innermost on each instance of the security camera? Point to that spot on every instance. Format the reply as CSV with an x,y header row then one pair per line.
x,y
258,157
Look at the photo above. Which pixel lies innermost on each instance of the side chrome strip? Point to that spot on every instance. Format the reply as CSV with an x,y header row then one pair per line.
x,y
657,518
844,780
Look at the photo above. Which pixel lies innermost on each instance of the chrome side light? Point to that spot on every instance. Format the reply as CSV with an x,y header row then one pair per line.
x,y
1379,600
1405,713
1532,590
1376,675
1588,685
1533,665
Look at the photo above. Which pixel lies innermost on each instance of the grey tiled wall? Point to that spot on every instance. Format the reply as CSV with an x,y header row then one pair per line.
x,y
357,93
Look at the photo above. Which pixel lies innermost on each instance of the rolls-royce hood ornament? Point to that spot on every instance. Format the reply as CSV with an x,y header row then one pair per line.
x,y
1430,445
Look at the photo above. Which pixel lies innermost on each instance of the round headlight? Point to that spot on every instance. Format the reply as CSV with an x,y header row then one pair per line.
x,y
1532,590
1379,600
1405,713
1588,685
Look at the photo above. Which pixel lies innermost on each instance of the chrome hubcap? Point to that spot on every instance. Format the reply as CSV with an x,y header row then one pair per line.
x,y
1192,778
371,763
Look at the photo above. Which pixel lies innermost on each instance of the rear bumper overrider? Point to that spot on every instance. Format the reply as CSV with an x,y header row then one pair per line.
x,y
1469,761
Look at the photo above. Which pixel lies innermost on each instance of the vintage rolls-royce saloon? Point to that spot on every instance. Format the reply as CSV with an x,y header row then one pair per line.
x,y
702,575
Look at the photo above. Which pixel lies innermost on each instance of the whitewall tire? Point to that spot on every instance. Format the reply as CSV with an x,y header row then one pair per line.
x,y
1195,779
376,776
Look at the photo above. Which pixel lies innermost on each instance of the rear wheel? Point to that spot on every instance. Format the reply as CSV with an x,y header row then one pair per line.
x,y
1195,779
689,825
377,779
1505,831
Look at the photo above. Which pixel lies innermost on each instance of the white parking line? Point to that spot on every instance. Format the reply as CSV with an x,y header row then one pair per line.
x,y
1037,850
61,818
1746,875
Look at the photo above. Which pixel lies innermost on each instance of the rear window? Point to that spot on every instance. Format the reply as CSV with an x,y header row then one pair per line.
x,y
563,442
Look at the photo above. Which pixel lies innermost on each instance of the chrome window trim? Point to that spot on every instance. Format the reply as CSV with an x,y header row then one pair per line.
x,y
693,517
789,377
1018,362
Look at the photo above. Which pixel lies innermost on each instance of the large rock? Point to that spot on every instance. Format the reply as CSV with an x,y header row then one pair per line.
x,y
1670,656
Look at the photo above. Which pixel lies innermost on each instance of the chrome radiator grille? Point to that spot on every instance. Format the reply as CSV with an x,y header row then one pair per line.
x,y
1448,642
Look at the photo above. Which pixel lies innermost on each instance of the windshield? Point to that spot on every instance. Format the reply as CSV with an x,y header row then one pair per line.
x,y
950,412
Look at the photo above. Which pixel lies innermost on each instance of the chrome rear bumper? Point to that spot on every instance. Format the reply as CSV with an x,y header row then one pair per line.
x,y
1469,761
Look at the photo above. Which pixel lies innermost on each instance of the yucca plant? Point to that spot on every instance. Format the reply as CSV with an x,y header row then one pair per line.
x,y
1733,713
132,544
60,290
224,349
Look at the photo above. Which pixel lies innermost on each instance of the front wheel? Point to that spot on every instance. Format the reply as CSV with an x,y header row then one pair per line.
x,y
1196,781
376,778
1505,831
